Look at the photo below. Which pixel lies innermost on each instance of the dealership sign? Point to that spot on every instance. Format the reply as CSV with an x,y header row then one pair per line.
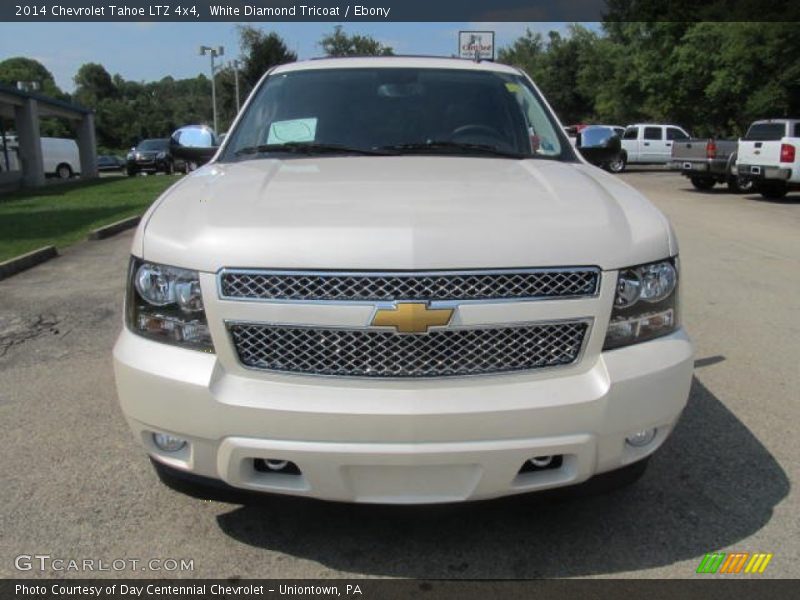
x,y
476,44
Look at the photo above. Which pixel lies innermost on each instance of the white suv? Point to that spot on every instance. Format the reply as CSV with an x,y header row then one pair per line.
x,y
397,282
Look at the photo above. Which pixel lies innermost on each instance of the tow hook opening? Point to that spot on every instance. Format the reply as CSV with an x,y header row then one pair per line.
x,y
276,465
542,463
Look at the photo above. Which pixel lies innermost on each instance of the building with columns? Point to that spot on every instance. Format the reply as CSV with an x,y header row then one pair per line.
x,y
25,109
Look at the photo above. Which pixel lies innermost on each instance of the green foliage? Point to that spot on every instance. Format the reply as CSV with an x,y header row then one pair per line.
x,y
29,70
63,214
260,52
24,69
338,43
711,77
129,111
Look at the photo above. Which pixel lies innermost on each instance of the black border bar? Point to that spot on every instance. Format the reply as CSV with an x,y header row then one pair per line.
x,y
397,10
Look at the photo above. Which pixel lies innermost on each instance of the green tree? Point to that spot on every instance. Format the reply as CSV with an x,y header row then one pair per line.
x,y
260,52
20,68
24,69
93,84
338,43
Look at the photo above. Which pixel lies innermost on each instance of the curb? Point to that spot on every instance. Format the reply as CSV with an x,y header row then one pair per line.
x,y
25,261
114,228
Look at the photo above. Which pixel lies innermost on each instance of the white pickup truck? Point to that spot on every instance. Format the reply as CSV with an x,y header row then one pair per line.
x,y
650,143
769,155
396,281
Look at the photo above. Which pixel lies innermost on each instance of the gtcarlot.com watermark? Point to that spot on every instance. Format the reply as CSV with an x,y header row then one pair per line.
x,y
57,564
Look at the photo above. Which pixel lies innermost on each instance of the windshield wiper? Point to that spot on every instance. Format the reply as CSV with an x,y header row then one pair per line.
x,y
310,148
438,145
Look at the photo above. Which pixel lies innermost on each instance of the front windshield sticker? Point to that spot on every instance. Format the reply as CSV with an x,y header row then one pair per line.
x,y
294,130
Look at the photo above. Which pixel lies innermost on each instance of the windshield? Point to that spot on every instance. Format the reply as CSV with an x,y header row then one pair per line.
x,y
153,145
396,111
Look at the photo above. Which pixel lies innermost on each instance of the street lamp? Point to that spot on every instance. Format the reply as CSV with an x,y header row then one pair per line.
x,y
214,52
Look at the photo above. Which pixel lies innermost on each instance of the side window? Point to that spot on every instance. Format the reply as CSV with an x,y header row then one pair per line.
x,y
653,133
631,133
673,133
797,130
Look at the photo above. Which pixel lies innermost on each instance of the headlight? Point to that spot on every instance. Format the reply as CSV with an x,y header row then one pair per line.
x,y
161,155
645,304
165,304
130,156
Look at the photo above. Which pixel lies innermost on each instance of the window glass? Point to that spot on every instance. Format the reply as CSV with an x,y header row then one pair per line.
x,y
653,133
673,133
765,132
631,133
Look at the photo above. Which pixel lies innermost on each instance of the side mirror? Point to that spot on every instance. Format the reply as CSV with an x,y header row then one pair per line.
x,y
598,145
194,143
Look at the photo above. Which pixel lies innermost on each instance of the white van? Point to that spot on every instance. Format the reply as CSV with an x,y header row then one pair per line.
x,y
60,157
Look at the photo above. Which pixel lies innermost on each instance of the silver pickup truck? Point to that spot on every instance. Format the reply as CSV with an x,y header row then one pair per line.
x,y
708,161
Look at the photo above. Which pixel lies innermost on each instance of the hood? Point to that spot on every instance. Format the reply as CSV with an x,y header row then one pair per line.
x,y
407,213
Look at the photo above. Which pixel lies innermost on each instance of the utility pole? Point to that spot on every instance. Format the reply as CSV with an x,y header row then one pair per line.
x,y
214,52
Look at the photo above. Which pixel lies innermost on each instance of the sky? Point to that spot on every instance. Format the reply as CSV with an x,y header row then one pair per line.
x,y
145,51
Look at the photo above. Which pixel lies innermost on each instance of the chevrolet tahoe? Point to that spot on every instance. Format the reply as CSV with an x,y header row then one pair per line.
x,y
396,281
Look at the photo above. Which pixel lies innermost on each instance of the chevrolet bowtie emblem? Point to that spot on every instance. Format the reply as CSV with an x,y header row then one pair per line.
x,y
412,317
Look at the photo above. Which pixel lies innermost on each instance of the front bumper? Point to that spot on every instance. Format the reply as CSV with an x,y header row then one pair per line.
x,y
153,165
402,441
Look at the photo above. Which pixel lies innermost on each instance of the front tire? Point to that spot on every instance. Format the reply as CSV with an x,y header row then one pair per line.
x,y
618,164
702,183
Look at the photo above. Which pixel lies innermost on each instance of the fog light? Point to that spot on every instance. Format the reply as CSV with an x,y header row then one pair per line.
x,y
641,438
167,442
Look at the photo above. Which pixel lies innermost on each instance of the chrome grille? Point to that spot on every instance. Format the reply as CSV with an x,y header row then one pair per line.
x,y
378,353
435,285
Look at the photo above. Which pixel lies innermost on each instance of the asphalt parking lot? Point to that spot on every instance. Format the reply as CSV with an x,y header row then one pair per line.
x,y
75,485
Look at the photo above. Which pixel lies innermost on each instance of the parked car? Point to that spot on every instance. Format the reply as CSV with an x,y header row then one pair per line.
x,y
60,157
708,161
650,143
152,156
109,162
398,282
769,156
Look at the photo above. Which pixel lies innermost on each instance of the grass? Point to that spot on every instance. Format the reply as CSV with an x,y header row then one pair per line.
x,y
61,215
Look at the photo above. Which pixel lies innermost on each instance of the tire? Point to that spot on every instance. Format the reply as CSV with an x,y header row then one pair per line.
x,y
739,185
774,190
702,183
617,165
169,168
131,172
64,171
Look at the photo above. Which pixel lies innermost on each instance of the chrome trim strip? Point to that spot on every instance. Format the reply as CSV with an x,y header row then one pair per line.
x,y
439,273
